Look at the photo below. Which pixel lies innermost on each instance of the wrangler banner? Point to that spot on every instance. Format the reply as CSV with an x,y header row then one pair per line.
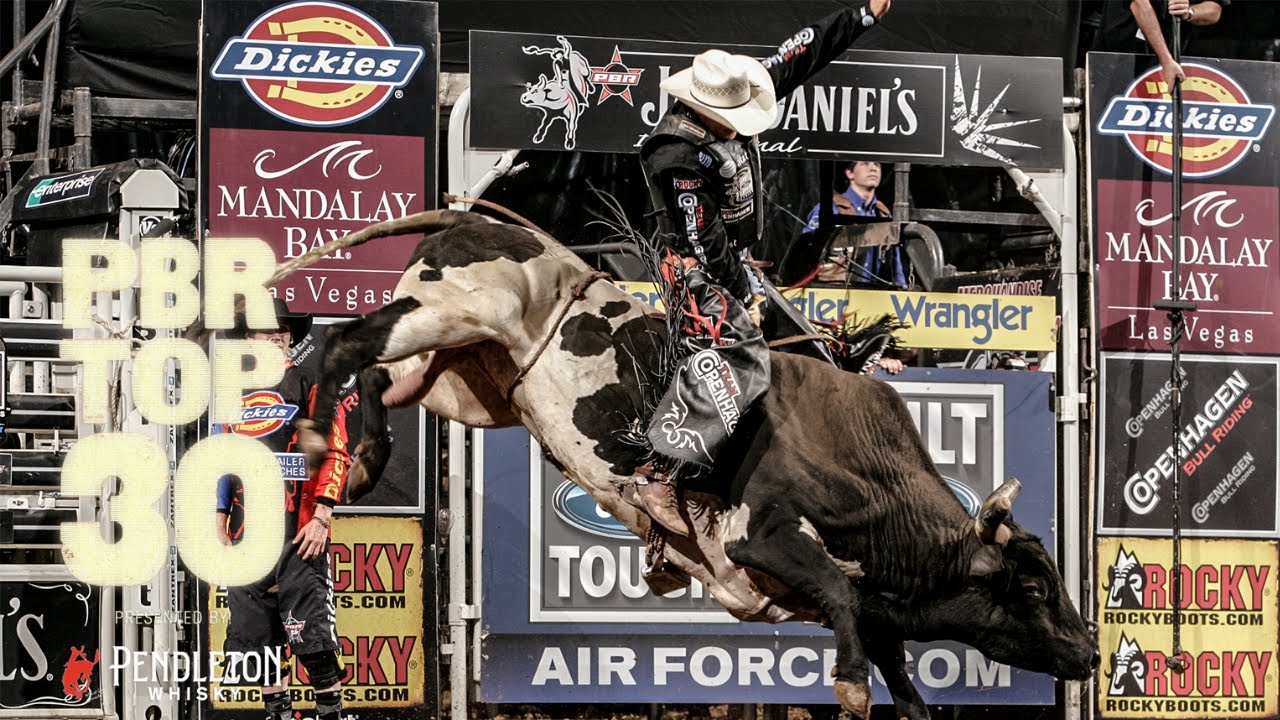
x,y
1230,215
376,564
1226,446
559,92
1229,630
318,118
567,613
935,320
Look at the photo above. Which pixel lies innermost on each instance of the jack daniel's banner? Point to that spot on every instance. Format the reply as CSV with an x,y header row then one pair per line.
x,y
602,94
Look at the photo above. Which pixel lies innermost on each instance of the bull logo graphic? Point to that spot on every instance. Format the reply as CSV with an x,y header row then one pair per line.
x,y
1128,670
78,673
565,95
1127,580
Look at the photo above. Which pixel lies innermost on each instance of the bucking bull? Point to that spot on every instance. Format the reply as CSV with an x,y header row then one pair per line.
x,y
826,508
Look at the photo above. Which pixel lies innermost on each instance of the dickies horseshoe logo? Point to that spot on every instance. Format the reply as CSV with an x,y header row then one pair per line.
x,y
315,63
1220,124
262,413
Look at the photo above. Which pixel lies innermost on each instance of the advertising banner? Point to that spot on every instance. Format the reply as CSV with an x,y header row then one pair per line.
x,y
574,613
1230,215
596,94
935,320
377,566
1229,266
1226,447
318,118
1031,280
51,660
1229,629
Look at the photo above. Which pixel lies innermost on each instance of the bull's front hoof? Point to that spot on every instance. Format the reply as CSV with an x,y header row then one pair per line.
x,y
312,443
854,697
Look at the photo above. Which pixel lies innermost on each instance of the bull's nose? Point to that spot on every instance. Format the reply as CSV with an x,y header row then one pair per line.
x,y
1095,660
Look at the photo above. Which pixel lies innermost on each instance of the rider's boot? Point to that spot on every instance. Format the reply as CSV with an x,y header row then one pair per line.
x,y
661,499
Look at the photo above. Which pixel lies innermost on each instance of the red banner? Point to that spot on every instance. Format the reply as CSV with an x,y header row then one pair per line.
x,y
300,190
1229,261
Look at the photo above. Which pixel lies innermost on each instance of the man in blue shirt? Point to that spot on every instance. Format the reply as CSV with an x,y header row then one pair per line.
x,y
860,199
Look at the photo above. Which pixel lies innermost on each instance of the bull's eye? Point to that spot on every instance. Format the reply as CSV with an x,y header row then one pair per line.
x,y
1034,592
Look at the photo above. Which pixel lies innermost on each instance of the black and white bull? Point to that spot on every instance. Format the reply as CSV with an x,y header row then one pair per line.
x,y
832,508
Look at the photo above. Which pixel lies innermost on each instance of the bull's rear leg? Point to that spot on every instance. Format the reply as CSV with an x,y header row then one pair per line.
x,y
775,545
370,456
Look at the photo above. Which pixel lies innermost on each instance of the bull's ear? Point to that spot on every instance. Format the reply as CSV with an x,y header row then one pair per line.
x,y
987,561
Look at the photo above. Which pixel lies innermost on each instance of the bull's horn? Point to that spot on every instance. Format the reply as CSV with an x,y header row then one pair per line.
x,y
989,524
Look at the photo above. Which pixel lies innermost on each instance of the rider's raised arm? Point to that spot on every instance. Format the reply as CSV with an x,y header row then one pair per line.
x,y
812,48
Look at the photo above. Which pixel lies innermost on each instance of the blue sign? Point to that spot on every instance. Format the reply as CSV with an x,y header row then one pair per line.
x,y
567,616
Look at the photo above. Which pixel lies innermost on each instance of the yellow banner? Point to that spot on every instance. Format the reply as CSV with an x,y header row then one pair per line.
x,y
937,320
1229,629
377,582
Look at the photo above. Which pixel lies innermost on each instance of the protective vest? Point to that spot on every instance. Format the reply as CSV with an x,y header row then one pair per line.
x,y
736,168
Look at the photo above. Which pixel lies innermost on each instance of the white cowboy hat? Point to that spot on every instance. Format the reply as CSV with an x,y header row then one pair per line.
x,y
734,89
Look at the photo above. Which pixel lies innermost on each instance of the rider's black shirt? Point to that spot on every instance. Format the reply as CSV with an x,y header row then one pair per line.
x,y
709,193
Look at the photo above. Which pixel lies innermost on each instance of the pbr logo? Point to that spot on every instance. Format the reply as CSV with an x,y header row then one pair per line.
x,y
317,63
614,75
263,412
1219,123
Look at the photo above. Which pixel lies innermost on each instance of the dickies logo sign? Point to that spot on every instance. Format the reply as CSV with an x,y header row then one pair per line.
x,y
262,413
1220,125
319,64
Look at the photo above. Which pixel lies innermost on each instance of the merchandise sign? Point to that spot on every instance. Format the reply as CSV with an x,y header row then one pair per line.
x,y
596,94
1228,629
961,321
377,580
1229,266
317,119
576,615
50,657
1226,447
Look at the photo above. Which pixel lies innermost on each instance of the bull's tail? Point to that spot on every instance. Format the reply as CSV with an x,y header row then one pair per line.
x,y
429,221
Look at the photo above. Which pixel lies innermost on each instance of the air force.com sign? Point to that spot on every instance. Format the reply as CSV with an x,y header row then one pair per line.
x,y
572,618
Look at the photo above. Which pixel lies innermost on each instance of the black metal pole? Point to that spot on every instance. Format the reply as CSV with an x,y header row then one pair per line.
x,y
1177,308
